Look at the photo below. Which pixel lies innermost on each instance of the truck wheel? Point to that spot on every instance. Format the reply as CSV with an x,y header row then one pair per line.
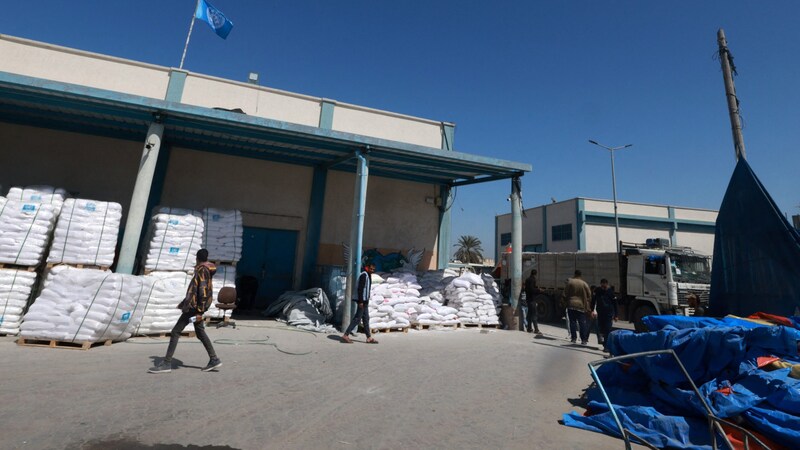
x,y
641,312
545,308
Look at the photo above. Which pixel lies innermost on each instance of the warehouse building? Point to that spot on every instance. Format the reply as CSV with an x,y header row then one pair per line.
x,y
306,172
585,224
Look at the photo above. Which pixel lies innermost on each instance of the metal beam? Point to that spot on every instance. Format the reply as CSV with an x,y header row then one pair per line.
x,y
486,179
356,235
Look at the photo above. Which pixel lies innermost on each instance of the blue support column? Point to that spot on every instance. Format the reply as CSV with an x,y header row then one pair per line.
x,y
443,247
357,234
141,195
516,240
314,224
544,228
177,80
157,186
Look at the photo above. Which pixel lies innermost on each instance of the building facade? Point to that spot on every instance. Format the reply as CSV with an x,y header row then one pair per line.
x,y
587,225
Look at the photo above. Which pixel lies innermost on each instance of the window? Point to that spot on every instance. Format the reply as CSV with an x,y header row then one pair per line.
x,y
562,232
505,239
653,264
532,248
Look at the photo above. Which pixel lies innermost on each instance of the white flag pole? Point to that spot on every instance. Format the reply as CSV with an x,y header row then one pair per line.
x,y
188,36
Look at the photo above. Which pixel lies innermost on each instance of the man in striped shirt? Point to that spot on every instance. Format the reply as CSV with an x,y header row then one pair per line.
x,y
362,313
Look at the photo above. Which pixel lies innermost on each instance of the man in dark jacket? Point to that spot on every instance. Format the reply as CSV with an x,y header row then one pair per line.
x,y
362,299
198,298
604,303
531,291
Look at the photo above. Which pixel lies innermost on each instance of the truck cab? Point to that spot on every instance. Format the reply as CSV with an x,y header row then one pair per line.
x,y
660,278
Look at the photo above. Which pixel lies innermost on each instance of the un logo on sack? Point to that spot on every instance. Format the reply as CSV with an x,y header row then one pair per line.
x,y
216,18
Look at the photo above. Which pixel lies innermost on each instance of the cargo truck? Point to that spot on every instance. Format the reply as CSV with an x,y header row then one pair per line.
x,y
650,278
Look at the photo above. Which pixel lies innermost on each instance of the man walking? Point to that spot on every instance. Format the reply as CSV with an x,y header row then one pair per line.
x,y
531,291
578,297
604,303
362,313
198,299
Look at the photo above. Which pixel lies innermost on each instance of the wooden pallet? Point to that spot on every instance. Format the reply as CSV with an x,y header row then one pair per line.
x,y
78,266
52,343
420,326
18,267
166,334
478,326
389,330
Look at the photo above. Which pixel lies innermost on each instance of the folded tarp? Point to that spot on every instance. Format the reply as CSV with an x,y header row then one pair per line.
x,y
728,359
309,309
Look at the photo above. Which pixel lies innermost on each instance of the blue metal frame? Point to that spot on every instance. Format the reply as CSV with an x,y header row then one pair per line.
x,y
580,207
673,232
177,80
326,114
636,221
314,224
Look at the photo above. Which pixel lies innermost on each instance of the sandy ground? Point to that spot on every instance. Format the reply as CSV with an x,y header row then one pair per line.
x,y
424,389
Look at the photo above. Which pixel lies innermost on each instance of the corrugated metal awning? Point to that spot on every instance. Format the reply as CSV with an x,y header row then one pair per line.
x,y
51,104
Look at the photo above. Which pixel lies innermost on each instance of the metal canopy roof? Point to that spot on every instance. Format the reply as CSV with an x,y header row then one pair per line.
x,y
51,104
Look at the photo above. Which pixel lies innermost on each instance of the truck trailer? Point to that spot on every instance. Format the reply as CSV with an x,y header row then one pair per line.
x,y
649,279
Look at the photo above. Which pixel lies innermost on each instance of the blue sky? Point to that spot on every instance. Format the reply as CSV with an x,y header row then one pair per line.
x,y
524,81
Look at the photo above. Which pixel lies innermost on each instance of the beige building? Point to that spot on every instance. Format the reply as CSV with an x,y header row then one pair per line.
x,y
298,166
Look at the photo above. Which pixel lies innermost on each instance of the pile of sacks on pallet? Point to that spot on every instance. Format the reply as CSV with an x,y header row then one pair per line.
x,y
86,233
432,309
85,305
15,289
25,230
476,298
174,237
391,297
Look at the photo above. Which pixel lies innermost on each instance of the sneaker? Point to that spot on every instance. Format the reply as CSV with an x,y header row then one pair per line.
x,y
536,331
584,342
212,364
573,341
162,367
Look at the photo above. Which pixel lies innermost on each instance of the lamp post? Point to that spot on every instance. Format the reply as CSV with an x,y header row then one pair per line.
x,y
613,182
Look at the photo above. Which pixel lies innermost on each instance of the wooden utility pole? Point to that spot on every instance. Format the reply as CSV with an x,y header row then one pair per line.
x,y
726,60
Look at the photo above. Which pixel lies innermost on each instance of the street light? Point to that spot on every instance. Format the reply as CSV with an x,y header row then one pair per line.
x,y
613,182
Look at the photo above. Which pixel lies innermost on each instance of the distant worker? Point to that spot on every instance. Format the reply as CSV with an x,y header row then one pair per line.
x,y
605,305
362,313
694,303
578,297
198,298
531,292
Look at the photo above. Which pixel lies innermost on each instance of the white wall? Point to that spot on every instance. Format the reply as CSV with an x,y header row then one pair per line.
x,y
623,208
559,214
699,242
696,214
36,59
369,122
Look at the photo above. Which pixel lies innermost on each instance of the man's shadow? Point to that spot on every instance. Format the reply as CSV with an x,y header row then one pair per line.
x,y
176,363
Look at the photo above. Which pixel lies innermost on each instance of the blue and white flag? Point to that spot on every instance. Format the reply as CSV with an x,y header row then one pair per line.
x,y
214,18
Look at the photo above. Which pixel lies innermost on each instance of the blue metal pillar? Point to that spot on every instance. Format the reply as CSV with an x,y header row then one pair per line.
x,y
673,229
357,234
516,240
141,194
314,223
580,224
445,192
544,228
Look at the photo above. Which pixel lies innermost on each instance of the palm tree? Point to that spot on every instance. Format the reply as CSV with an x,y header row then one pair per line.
x,y
469,250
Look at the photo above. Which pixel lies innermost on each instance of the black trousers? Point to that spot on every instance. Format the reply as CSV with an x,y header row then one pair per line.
x,y
362,314
578,322
605,320
533,316
199,329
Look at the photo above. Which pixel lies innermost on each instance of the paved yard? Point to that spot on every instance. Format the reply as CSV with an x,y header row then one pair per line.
x,y
424,389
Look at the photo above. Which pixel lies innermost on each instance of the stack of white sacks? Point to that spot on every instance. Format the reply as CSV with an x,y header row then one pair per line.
x,y
45,195
162,294
431,309
392,297
15,289
25,230
85,305
174,238
223,234
476,298
223,240
86,233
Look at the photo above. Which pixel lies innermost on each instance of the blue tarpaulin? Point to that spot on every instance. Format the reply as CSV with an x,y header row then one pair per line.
x,y
756,263
655,401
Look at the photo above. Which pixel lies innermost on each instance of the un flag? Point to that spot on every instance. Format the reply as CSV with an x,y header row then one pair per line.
x,y
214,18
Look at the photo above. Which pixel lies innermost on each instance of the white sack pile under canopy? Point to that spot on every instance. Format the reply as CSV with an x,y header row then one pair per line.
x,y
391,298
15,290
85,305
162,293
223,234
86,233
476,297
308,310
25,230
45,195
174,238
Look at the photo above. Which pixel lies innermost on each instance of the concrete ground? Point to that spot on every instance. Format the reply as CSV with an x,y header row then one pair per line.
x,y
426,389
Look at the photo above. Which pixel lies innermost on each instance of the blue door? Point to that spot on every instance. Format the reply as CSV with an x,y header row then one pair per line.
x,y
268,255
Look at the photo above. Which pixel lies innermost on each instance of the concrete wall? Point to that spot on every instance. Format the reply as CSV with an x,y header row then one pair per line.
x,y
379,124
696,214
270,195
699,242
90,167
562,213
397,218
40,60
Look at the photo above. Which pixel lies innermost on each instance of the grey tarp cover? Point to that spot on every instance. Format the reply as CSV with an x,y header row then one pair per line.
x,y
309,310
756,252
